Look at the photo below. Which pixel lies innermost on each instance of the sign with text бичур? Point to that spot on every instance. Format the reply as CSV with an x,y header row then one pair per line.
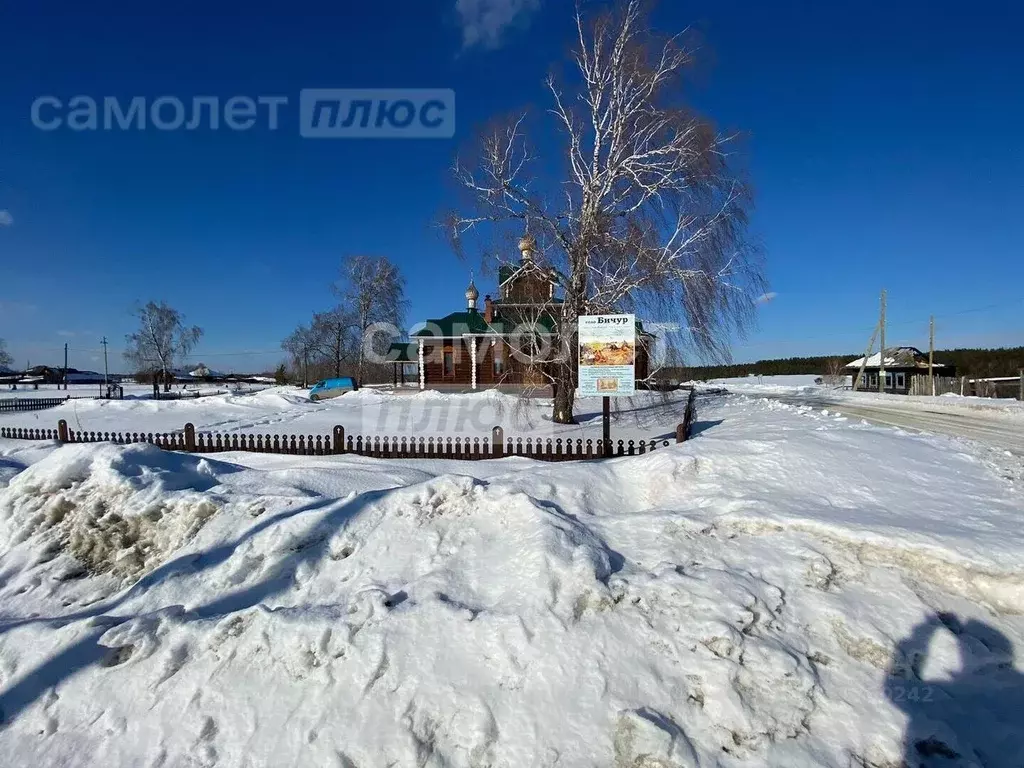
x,y
607,347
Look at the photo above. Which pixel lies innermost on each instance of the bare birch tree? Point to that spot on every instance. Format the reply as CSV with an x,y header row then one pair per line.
x,y
336,337
162,340
5,357
302,346
372,290
835,373
643,212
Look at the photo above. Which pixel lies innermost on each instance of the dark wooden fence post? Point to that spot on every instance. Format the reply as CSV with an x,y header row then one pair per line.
x,y
497,442
683,430
338,443
62,431
190,437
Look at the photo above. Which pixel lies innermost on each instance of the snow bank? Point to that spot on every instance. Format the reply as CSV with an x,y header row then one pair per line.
x,y
768,383
779,591
112,509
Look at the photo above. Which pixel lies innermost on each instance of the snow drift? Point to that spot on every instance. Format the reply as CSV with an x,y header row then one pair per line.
x,y
117,509
764,595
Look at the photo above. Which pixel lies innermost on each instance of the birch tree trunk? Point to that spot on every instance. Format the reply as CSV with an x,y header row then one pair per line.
x,y
648,215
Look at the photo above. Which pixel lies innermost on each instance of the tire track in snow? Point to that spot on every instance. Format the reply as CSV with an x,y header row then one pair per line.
x,y
994,433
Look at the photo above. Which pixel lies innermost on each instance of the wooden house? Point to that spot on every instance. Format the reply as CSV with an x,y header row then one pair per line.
x,y
902,366
511,342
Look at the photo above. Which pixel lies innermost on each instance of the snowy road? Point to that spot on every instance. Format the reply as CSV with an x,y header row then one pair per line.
x,y
989,430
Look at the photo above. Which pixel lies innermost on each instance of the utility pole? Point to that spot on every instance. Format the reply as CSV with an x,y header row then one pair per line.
x,y
931,352
867,354
1020,395
105,384
65,366
881,354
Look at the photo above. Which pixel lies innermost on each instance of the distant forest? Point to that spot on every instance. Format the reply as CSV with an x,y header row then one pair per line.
x,y
975,363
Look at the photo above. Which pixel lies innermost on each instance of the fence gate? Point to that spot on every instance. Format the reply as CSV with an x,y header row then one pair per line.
x,y
922,385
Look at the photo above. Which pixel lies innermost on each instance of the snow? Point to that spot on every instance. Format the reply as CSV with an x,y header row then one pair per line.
x,y
288,410
111,509
131,390
903,355
803,386
779,591
775,384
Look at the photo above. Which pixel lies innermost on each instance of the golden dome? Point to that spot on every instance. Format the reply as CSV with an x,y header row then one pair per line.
x,y
527,245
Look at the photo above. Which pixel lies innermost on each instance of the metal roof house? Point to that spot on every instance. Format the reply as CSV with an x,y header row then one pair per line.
x,y
902,366
509,343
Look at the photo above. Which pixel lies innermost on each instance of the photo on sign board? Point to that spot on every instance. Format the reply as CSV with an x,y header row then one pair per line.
x,y
607,355
607,352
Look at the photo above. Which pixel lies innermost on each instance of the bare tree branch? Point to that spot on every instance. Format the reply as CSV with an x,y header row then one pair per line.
x,y
649,214
372,290
5,358
161,341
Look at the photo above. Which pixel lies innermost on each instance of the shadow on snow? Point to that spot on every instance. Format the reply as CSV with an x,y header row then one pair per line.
x,y
973,718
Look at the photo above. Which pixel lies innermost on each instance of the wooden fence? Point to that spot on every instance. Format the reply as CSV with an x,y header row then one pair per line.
x,y
11,404
387,447
922,385
1000,386
384,447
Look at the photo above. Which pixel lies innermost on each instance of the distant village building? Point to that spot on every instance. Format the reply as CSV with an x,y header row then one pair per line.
x,y
902,366
201,373
505,344
45,374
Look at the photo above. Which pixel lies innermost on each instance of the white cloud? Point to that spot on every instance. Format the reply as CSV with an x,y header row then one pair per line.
x,y
5,218
66,333
764,298
484,22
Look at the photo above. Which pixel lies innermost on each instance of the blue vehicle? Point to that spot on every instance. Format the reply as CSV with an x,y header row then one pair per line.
x,y
332,388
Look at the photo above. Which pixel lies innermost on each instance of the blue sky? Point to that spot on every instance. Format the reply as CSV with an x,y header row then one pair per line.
x,y
884,145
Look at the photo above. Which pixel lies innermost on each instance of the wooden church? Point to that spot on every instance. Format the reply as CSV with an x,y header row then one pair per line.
x,y
506,344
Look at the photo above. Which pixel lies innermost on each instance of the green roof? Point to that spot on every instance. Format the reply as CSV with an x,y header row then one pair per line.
x,y
465,322
403,352
473,323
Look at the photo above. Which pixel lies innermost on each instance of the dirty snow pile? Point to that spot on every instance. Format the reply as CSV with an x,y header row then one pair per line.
x,y
112,510
787,589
